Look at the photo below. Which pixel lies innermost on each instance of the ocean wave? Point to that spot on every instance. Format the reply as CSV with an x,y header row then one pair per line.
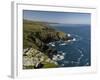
x,y
58,57
62,55
78,38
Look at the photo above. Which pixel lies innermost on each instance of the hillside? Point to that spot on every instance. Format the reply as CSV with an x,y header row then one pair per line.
x,y
36,36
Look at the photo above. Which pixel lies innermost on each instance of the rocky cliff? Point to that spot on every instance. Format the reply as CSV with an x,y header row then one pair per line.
x,y
36,36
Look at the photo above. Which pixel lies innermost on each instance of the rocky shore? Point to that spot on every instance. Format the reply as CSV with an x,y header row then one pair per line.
x,y
36,37
33,58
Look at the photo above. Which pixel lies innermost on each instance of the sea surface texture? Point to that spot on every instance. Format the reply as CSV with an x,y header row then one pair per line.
x,y
76,52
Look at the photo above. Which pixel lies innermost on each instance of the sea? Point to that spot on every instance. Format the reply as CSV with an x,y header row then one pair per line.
x,y
78,52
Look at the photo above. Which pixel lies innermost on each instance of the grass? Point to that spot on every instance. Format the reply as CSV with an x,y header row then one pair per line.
x,y
29,67
35,35
50,65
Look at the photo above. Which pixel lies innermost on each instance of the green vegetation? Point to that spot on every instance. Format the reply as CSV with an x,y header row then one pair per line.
x,y
50,65
36,35
29,67
39,32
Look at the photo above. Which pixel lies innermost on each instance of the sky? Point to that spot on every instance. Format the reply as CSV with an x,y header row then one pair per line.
x,y
57,17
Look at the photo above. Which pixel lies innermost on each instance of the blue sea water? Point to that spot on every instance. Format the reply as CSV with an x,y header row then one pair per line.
x,y
76,53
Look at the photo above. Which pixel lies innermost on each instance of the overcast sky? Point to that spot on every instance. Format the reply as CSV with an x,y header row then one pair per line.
x,y
58,17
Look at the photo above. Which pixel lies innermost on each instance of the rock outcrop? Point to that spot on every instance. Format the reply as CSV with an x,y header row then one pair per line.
x,y
33,58
36,36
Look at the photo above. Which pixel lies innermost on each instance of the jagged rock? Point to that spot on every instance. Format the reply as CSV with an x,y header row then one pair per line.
x,y
35,59
35,39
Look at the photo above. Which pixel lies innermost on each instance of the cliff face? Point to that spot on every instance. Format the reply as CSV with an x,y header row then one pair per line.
x,y
36,36
33,58
40,33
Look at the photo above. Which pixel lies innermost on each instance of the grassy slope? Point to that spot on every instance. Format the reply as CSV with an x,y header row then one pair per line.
x,y
41,27
30,27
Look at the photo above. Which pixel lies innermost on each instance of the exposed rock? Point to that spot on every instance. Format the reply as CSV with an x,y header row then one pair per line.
x,y
37,53
36,59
